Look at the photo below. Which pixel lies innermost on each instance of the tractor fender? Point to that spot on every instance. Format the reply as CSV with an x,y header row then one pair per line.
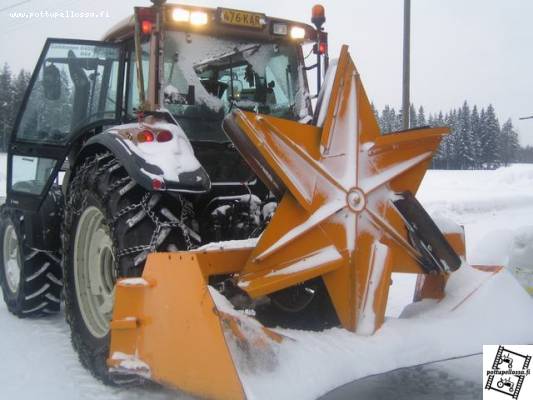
x,y
164,166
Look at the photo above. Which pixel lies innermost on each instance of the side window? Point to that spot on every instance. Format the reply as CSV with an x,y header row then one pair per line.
x,y
133,98
76,84
30,174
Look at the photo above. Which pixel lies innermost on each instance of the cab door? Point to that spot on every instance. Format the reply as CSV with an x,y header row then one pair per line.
x,y
75,87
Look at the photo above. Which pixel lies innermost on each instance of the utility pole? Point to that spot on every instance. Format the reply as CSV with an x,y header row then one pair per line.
x,y
406,62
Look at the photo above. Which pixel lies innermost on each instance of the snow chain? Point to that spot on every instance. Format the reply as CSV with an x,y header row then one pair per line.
x,y
144,205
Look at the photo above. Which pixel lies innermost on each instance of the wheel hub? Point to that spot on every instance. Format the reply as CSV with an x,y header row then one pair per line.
x,y
12,259
94,271
356,200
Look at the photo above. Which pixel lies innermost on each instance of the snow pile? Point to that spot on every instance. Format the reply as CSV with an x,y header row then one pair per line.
x,y
496,209
521,257
315,362
464,194
492,205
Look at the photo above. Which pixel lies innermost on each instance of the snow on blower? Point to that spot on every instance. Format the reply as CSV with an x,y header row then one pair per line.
x,y
210,223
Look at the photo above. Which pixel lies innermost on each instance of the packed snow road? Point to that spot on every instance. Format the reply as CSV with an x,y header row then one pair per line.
x,y
496,208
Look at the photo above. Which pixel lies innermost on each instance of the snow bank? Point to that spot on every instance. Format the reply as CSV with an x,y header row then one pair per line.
x,y
315,362
464,194
496,208
521,257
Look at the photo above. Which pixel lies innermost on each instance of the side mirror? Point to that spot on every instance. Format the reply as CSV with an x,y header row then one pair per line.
x,y
51,82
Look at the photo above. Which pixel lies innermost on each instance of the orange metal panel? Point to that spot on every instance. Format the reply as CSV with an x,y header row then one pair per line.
x,y
179,332
222,261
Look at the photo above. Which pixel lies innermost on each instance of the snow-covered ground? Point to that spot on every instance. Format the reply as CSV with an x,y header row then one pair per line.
x,y
496,208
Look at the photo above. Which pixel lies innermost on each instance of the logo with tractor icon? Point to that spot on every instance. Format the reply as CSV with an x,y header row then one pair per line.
x,y
507,373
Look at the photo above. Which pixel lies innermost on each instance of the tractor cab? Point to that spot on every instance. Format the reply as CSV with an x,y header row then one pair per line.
x,y
198,64
190,66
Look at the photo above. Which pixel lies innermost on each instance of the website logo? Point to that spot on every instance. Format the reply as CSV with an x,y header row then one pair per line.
x,y
507,372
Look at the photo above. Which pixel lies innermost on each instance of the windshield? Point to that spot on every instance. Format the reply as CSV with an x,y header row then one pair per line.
x,y
206,77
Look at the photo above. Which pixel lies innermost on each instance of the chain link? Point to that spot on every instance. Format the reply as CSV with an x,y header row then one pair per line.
x,y
115,185
131,207
144,205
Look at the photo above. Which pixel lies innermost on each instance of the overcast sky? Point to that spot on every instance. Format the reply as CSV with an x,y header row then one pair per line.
x,y
475,50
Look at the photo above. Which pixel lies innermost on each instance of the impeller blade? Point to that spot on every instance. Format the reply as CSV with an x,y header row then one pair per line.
x,y
338,181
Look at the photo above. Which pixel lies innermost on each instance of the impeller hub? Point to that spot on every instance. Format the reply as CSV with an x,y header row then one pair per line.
x,y
356,199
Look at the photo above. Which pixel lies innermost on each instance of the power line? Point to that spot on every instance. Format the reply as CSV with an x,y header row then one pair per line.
x,y
14,5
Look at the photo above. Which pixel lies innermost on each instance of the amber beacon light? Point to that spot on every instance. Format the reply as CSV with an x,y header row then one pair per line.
x,y
318,15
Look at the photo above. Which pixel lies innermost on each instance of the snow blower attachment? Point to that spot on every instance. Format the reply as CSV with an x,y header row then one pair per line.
x,y
347,215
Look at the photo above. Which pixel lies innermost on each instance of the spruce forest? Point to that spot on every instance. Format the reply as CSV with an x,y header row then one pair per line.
x,y
476,139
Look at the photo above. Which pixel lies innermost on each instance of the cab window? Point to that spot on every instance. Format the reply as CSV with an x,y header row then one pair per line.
x,y
76,85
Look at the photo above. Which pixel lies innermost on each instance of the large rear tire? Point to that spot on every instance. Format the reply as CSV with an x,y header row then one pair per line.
x,y
109,227
30,279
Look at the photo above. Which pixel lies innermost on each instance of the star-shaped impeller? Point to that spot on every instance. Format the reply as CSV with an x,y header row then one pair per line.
x,y
336,218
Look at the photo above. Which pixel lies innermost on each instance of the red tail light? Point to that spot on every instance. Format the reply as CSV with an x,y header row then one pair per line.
x,y
145,136
146,27
164,136
158,184
322,48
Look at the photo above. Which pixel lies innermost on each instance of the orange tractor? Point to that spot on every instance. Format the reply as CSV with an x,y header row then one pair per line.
x,y
175,179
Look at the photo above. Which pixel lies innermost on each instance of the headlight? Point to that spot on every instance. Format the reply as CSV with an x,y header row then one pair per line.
x,y
198,18
181,15
297,32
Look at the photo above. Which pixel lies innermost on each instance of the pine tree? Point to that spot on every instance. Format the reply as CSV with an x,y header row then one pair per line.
x,y
6,105
19,88
451,142
442,152
465,138
386,121
490,138
412,116
421,118
376,114
475,122
439,121
508,143
396,120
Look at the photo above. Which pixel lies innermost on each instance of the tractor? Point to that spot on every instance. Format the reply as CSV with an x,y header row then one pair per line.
x,y
118,151
177,178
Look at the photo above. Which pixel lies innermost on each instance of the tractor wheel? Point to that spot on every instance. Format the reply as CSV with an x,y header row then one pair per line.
x,y
109,227
30,279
